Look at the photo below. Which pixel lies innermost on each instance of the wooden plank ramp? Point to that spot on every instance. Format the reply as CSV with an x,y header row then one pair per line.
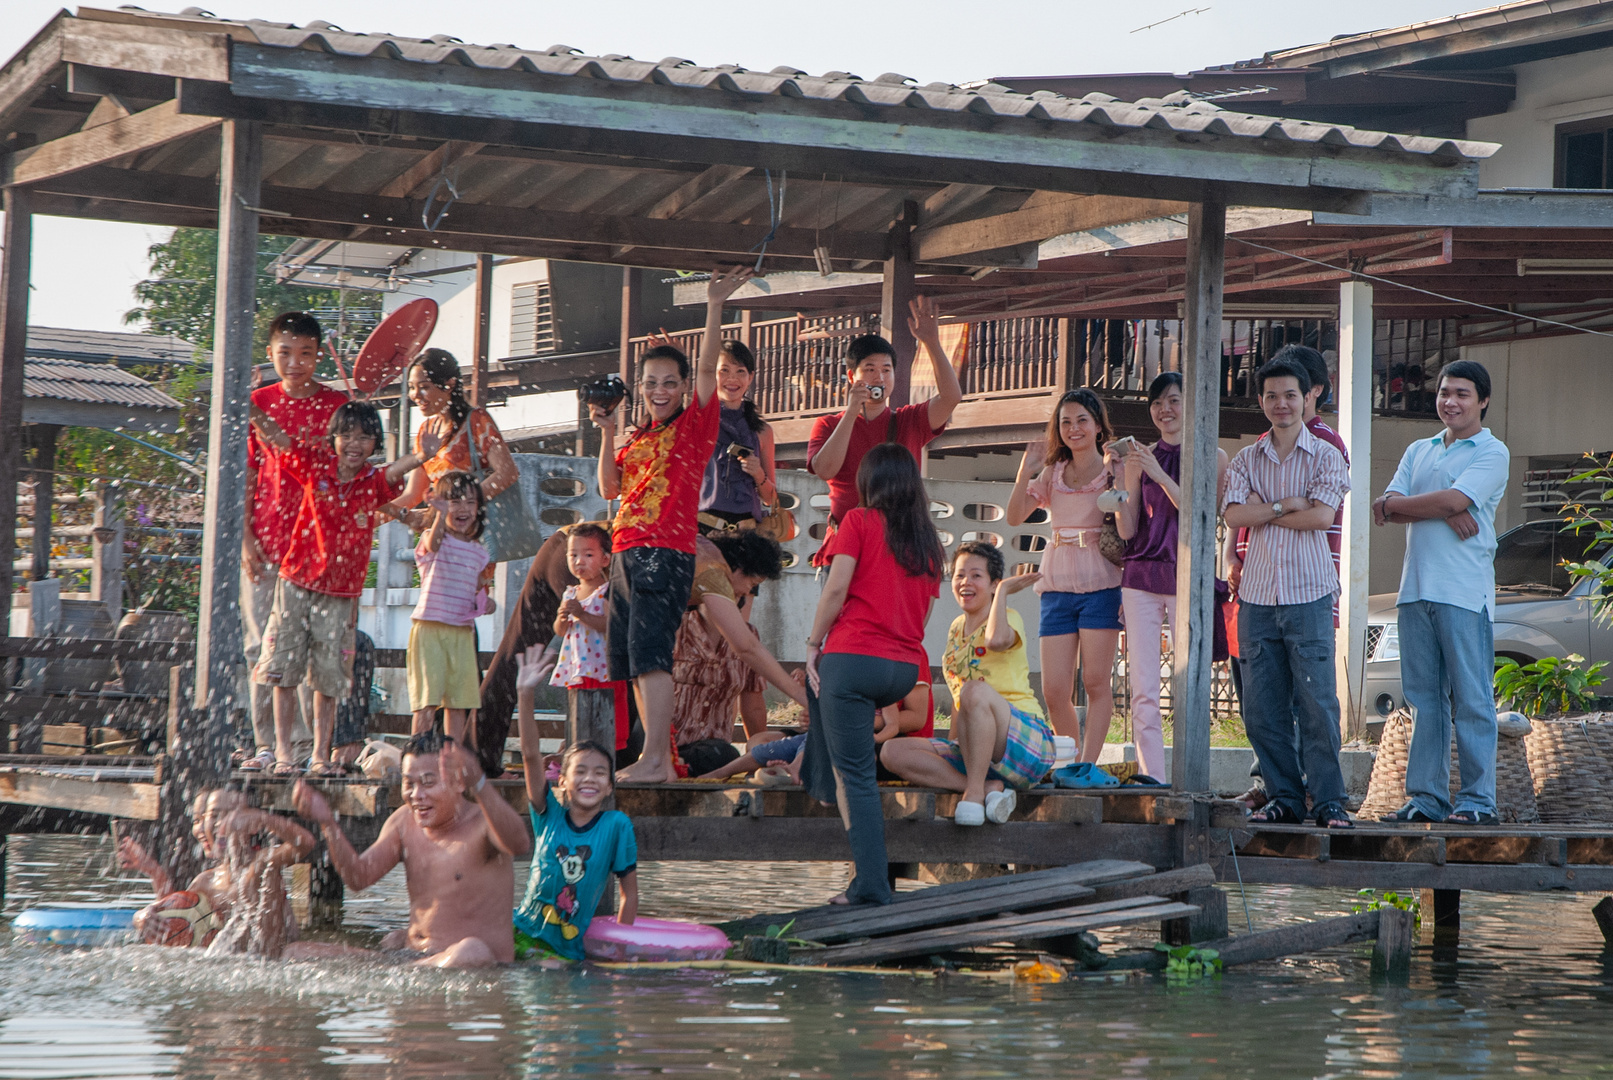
x,y
1006,928
981,895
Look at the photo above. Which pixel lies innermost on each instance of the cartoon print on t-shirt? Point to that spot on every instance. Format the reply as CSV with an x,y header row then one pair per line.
x,y
573,868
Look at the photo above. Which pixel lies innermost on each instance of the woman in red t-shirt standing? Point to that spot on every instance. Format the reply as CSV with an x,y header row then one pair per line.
x,y
866,648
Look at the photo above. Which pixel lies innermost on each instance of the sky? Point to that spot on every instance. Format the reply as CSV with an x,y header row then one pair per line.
x,y
83,272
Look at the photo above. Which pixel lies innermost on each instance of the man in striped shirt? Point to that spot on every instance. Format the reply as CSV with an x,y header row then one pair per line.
x,y
1285,489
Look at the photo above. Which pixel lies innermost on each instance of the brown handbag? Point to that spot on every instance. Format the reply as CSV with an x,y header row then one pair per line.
x,y
1111,545
778,523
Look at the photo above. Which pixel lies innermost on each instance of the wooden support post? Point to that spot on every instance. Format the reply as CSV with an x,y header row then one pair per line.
x,y
204,751
1445,905
632,297
1603,914
1391,956
1208,923
1066,362
591,716
15,259
106,576
42,441
4,843
1195,545
895,294
1354,391
481,344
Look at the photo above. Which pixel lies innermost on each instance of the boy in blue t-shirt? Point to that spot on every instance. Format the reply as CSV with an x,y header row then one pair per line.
x,y
578,846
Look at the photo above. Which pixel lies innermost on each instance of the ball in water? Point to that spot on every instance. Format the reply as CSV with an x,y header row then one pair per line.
x,y
182,918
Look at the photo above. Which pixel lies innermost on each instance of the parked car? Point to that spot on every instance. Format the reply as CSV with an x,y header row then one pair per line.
x,y
1539,611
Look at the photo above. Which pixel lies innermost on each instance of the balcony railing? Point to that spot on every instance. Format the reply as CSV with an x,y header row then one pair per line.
x,y
801,361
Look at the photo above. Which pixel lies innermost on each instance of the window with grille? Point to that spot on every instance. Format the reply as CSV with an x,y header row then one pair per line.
x,y
1585,154
531,320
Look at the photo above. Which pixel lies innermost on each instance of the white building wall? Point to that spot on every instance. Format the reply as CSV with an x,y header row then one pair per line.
x,y
1550,92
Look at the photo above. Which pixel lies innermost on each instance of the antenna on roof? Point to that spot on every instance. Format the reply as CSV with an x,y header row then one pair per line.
x,y
1173,18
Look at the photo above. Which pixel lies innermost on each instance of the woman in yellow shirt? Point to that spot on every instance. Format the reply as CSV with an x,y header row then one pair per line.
x,y
1001,741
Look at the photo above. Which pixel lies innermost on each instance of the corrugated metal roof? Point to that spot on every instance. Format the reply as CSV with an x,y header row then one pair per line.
x,y
92,384
1176,113
107,346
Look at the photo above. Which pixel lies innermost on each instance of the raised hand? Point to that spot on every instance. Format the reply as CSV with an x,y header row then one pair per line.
x,y
430,441
857,397
726,281
132,855
1019,582
1035,455
923,319
529,669
311,804
460,769
604,421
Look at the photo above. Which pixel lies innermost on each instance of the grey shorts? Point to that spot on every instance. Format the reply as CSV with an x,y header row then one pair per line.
x,y
649,589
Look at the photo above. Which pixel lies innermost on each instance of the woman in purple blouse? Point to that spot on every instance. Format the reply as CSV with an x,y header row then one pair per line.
x,y
1147,520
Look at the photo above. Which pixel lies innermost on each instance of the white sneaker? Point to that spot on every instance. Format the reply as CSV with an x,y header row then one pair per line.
x,y
969,813
999,804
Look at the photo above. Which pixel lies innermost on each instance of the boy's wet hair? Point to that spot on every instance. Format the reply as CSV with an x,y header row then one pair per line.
x,y
996,565
359,416
425,744
588,746
865,345
296,324
591,530
462,485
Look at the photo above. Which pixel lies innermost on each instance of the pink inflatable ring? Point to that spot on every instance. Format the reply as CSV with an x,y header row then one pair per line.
x,y
653,940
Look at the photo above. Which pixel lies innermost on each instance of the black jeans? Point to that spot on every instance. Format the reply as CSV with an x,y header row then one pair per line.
x,y
840,759
649,590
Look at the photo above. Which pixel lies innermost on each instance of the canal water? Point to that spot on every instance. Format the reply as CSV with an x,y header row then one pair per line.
x,y
1528,991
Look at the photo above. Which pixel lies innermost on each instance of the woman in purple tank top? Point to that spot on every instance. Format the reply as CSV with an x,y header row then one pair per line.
x,y
738,485
1147,520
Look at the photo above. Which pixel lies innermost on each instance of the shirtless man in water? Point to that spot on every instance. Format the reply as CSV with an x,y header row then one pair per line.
x,y
458,854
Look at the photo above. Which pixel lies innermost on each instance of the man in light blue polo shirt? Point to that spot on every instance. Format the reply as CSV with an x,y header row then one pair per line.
x,y
1446,491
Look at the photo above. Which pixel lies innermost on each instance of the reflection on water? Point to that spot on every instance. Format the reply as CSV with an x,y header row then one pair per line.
x,y
1527,991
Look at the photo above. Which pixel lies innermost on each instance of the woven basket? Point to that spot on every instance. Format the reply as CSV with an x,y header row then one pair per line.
x,y
1514,786
1572,782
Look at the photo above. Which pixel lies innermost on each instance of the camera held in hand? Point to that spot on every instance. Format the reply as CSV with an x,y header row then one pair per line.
x,y
606,392
738,451
876,393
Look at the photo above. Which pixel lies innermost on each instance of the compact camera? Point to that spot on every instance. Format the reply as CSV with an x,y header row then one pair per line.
x,y
606,392
1126,444
1112,500
737,451
876,392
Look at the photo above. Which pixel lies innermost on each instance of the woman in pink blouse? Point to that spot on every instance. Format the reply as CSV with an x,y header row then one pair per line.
x,y
1064,473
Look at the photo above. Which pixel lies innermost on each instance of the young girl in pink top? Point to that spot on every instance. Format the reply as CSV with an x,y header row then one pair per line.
x,y
455,572
1064,473
584,663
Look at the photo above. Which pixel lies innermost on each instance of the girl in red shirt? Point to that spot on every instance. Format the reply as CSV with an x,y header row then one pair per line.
x,y
866,648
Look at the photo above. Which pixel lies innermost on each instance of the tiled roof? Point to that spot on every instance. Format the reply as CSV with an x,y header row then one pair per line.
x,y
92,384
1176,113
104,346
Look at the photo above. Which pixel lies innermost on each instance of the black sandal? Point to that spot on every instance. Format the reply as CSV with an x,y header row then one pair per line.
x,y
1409,815
1334,816
1472,817
1275,813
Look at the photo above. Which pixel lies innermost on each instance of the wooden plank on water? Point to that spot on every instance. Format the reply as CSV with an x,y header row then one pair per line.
x,y
1099,873
1009,928
348,798
896,918
1293,940
117,798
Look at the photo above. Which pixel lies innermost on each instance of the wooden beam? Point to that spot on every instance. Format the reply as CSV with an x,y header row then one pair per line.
x,y
467,223
218,639
15,260
1044,216
42,438
949,202
896,292
103,143
407,183
1358,874
813,136
482,331
715,179
1195,544
118,798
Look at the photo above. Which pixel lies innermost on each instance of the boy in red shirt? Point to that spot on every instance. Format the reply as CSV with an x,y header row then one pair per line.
x,y
838,443
311,629
302,408
657,475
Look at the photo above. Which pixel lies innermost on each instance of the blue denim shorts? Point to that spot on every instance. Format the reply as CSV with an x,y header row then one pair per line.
x,y
1072,612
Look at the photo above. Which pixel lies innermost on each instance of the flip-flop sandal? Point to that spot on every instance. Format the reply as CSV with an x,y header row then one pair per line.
x,y
1142,780
1409,815
285,768
1083,774
1334,817
258,762
1274,814
1472,817
326,770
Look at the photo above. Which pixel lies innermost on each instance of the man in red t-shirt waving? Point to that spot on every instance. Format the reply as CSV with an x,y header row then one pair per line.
x,y
657,474
839,442
303,408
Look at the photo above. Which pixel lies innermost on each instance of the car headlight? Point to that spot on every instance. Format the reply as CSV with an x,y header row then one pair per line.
x,y
1387,646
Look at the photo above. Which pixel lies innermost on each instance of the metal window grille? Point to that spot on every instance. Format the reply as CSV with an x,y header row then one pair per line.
x,y
532,330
